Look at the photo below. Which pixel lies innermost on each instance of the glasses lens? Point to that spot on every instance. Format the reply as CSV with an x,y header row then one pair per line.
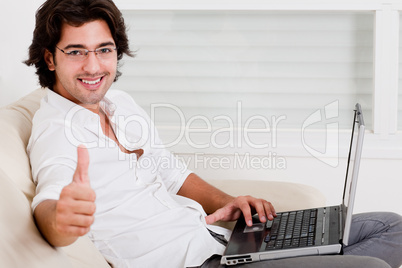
x,y
105,52
77,54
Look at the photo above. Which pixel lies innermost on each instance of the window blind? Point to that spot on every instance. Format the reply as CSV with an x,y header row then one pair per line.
x,y
214,68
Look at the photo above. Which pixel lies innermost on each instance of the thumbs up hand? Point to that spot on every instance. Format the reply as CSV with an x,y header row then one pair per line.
x,y
81,172
76,207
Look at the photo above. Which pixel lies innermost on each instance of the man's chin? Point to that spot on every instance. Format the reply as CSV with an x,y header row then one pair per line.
x,y
93,98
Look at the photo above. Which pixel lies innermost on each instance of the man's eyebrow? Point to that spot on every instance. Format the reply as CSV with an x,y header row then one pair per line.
x,y
104,44
74,46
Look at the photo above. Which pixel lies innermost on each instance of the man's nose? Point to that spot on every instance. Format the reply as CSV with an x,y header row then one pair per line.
x,y
91,63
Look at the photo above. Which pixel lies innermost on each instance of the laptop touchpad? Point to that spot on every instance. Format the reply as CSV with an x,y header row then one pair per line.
x,y
256,227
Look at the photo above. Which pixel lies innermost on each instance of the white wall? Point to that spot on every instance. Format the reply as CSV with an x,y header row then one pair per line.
x,y
17,19
379,184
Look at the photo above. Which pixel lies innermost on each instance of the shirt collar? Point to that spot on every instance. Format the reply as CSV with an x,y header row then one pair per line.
x,y
76,114
58,101
66,105
107,106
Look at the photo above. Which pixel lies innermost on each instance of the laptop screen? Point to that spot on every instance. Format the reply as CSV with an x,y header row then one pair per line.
x,y
352,171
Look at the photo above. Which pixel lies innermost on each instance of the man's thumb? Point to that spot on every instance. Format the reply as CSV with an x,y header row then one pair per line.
x,y
81,172
212,218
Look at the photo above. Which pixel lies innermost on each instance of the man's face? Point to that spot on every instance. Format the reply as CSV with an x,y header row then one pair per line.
x,y
86,81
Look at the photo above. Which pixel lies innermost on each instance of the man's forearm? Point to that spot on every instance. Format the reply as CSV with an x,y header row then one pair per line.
x,y
45,217
207,195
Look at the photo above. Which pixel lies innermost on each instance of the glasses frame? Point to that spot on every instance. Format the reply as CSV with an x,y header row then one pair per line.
x,y
84,56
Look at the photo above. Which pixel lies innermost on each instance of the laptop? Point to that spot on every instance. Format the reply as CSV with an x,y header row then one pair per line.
x,y
316,231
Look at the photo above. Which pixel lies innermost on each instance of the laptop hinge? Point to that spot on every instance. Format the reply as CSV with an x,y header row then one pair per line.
x,y
340,223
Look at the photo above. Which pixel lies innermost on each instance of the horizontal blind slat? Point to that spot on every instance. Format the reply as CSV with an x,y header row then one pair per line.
x,y
158,84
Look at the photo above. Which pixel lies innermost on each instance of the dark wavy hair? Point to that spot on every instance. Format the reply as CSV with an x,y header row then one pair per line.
x,y
50,18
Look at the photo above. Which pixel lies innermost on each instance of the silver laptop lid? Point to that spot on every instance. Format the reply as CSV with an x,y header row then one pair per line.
x,y
352,171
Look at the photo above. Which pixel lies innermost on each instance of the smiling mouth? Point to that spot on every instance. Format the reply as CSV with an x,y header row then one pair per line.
x,y
91,82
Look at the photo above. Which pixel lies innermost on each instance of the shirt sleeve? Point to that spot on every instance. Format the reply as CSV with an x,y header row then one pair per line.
x,y
173,172
52,158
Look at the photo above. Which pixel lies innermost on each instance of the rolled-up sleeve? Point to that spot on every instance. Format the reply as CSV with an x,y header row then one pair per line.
x,y
53,161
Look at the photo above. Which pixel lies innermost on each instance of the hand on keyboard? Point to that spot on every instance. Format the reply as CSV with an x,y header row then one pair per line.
x,y
245,205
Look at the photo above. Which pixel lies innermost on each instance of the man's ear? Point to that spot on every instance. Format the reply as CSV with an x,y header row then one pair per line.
x,y
49,60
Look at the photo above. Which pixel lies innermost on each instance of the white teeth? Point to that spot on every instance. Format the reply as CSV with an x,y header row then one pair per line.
x,y
91,82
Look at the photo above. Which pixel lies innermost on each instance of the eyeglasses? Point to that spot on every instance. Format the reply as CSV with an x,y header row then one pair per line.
x,y
79,54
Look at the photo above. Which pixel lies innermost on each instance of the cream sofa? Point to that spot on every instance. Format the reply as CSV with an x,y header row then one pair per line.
x,y
21,244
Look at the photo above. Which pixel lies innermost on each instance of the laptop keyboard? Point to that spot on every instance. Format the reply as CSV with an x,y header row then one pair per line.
x,y
292,229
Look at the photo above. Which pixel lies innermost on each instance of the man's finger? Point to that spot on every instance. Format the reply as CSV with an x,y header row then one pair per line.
x,y
214,217
270,210
259,206
81,172
244,206
210,219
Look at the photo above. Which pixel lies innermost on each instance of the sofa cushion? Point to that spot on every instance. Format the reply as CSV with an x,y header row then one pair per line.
x,y
23,244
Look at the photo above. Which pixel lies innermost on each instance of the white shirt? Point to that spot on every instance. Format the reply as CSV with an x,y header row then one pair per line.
x,y
139,219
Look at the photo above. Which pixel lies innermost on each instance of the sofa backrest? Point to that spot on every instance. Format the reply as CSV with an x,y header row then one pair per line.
x,y
21,244
16,124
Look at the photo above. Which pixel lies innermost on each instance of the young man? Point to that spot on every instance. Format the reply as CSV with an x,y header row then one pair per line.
x,y
139,205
